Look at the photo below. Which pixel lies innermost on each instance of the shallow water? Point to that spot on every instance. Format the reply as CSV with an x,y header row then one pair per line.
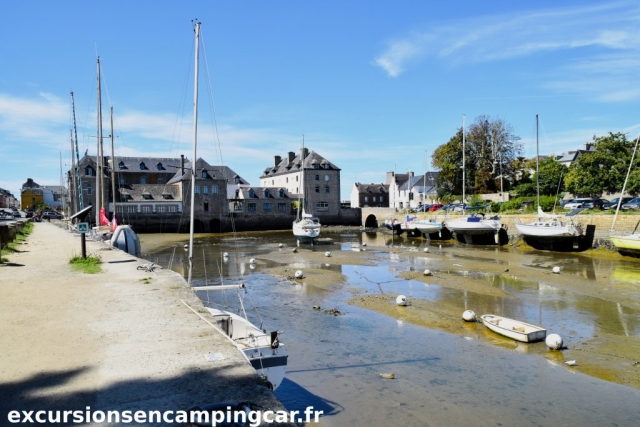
x,y
472,378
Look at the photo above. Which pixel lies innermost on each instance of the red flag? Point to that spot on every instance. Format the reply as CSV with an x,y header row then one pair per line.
x,y
103,217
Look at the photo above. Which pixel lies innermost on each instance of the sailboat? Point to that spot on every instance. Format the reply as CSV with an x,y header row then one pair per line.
x,y
262,349
475,224
306,227
627,244
548,227
425,226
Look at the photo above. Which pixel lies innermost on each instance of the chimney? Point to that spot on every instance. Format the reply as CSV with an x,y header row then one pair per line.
x,y
306,153
292,156
182,164
410,174
390,177
276,161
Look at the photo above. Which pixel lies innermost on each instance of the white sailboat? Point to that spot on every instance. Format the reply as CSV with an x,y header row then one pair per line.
x,y
548,227
475,224
306,227
262,349
627,244
424,226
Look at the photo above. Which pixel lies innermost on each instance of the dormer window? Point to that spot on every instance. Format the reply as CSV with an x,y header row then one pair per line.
x,y
89,171
204,174
143,180
167,196
281,193
236,179
266,192
159,166
326,165
121,165
251,193
143,167
146,196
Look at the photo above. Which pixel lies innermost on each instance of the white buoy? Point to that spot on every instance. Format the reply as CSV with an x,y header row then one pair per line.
x,y
299,274
556,270
469,316
252,261
252,266
225,255
281,245
401,300
327,253
295,250
427,272
425,250
364,243
554,341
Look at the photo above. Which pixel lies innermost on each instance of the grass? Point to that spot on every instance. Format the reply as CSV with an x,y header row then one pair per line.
x,y
21,236
88,265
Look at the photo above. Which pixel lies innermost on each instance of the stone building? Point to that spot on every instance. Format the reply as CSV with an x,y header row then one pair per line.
x,y
370,195
321,188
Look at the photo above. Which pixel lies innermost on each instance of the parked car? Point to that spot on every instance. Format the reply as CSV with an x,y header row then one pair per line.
x,y
631,204
595,203
613,204
17,214
421,208
434,207
51,215
578,203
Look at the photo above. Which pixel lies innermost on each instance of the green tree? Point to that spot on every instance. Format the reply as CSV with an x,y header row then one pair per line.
x,y
550,176
603,170
490,146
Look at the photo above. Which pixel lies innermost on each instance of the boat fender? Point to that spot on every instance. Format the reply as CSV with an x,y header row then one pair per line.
x,y
469,316
556,270
401,300
554,341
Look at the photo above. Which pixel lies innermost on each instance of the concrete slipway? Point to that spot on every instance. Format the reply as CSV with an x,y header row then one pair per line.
x,y
118,340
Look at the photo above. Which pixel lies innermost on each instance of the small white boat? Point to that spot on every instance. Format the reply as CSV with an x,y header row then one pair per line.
x,y
519,331
428,226
306,229
124,238
551,228
262,349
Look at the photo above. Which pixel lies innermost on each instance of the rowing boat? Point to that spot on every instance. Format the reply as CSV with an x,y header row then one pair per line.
x,y
519,331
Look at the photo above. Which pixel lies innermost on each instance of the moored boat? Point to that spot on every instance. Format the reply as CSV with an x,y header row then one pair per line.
x,y
515,329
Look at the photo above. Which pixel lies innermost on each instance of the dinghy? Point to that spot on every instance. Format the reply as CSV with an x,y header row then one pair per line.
x,y
519,331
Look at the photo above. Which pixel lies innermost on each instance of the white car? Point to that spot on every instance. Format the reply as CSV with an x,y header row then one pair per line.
x,y
577,203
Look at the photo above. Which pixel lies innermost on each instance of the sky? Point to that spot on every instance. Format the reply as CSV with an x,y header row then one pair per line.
x,y
374,86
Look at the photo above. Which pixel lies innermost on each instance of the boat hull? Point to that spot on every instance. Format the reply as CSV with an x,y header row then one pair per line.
x,y
547,231
514,329
472,228
627,244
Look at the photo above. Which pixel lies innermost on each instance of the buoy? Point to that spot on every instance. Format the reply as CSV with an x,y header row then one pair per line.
x,y
225,255
401,300
469,316
281,245
295,250
364,244
252,266
427,272
556,270
252,261
327,253
299,274
425,250
554,341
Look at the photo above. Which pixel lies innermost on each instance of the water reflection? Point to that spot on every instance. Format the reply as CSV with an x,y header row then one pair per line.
x,y
335,361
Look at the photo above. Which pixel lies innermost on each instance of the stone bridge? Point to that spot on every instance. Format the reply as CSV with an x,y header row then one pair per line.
x,y
374,217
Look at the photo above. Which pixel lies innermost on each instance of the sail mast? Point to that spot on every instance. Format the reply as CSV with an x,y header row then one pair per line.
x,y
195,141
73,205
464,169
78,189
537,164
113,170
99,189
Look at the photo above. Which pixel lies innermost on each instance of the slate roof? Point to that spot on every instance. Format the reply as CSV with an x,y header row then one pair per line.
x,y
285,166
216,172
417,183
149,192
259,193
372,188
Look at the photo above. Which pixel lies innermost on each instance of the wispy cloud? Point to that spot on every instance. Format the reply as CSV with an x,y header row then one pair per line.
x,y
610,27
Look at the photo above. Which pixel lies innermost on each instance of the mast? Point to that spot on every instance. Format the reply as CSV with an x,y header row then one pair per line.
x,y
73,201
537,164
99,189
195,141
464,168
113,170
624,186
302,193
78,181
424,180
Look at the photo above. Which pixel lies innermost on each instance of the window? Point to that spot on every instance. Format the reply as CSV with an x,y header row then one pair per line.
x,y
272,182
251,207
206,206
143,180
382,198
204,174
287,180
326,189
322,206
266,207
161,180
366,199
132,209
317,177
266,192
89,171
143,166
159,166
89,190
296,178
282,206
147,209
122,180
205,189
214,189
236,180
173,208
161,208
197,189
281,193
251,193
317,188
316,166
121,165
326,165
326,177
374,199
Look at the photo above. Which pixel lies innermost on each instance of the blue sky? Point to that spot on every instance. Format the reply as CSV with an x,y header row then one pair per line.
x,y
371,84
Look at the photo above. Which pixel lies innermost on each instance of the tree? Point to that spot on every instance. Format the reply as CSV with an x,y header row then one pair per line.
x,y
603,170
490,147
